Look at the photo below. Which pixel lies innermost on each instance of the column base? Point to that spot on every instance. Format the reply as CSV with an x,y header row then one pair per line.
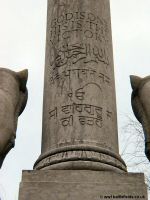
x,y
81,158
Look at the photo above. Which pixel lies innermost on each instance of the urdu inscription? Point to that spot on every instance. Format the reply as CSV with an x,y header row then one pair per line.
x,y
68,55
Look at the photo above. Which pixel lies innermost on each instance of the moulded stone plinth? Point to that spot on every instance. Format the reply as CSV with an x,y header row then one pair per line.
x,y
80,185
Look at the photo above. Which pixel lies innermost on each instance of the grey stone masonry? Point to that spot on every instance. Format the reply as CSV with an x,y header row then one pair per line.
x,y
79,112
80,156
81,185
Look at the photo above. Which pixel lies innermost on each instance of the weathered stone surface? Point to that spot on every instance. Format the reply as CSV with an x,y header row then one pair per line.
x,y
141,106
79,185
79,113
13,98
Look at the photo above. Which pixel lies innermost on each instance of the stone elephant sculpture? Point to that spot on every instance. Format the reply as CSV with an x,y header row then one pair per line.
x,y
13,99
140,101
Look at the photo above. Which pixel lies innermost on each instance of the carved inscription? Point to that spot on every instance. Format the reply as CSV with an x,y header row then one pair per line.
x,y
109,114
70,54
88,75
78,23
89,115
73,26
85,113
79,94
90,36
53,113
74,38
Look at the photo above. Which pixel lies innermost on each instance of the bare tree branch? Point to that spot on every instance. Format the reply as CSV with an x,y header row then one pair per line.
x,y
132,148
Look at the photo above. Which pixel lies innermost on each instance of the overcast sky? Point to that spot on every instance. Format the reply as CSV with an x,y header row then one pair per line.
x,y
22,45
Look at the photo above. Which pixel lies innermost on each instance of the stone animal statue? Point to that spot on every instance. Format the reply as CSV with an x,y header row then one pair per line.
x,y
140,101
13,99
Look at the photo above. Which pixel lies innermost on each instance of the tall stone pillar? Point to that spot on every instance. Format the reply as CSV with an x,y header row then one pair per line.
x,y
79,114
80,157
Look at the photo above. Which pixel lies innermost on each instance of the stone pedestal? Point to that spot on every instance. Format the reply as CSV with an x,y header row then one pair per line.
x,y
81,185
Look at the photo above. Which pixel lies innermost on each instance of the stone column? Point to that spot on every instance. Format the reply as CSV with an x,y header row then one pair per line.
x,y
80,158
79,112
